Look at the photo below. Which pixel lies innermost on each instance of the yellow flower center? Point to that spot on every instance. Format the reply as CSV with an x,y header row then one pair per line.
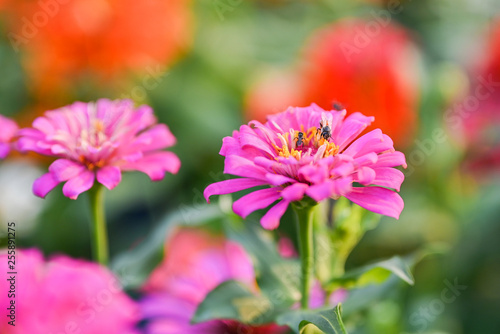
x,y
297,143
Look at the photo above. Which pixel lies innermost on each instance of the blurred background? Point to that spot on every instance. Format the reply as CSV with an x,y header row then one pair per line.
x,y
428,70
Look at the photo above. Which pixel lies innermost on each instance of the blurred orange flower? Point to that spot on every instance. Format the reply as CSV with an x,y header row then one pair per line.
x,y
64,40
365,66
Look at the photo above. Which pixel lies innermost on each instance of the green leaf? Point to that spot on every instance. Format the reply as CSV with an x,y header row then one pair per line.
x,y
233,300
134,266
351,222
327,321
363,297
374,273
277,278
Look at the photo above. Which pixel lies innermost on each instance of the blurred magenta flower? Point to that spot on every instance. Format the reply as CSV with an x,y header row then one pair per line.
x,y
311,152
8,129
195,263
64,295
98,141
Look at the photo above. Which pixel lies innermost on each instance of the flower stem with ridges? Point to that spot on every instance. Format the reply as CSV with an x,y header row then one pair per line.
x,y
305,237
98,225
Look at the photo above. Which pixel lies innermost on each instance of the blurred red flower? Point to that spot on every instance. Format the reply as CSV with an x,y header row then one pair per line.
x,y
365,66
482,123
65,39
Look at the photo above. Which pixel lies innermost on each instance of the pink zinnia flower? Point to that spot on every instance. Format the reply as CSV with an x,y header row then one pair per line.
x,y
98,140
195,263
8,129
64,295
297,157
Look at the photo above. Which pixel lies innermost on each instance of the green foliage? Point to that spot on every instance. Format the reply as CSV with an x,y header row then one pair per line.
x,y
233,300
134,266
326,321
374,273
334,243
278,278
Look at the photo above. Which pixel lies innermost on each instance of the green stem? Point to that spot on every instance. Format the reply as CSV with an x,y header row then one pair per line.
x,y
98,225
305,236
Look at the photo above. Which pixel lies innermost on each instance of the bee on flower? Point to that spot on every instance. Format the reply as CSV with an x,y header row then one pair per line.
x,y
330,162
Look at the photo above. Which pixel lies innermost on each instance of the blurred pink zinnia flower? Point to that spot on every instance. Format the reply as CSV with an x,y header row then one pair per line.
x,y
195,263
8,129
311,152
64,295
98,140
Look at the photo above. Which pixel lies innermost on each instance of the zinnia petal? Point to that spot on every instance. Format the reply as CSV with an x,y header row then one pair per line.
x,y
352,126
64,169
366,175
109,176
4,150
155,165
230,186
391,159
379,200
319,192
256,200
240,166
78,184
271,219
44,184
295,192
388,177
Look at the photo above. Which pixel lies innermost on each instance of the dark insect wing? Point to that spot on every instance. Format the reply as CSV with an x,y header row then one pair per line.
x,y
300,139
337,106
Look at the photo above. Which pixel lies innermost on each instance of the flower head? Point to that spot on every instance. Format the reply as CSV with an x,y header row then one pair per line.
x,y
98,141
195,263
8,129
64,293
311,152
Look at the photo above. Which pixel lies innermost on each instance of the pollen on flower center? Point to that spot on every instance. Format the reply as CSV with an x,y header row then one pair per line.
x,y
94,136
90,164
299,143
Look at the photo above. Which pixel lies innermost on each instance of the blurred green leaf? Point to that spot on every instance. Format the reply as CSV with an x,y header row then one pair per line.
x,y
328,321
363,296
233,300
350,223
133,267
278,278
374,273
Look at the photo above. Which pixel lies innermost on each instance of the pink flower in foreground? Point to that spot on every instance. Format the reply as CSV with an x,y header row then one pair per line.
x,y
195,263
98,140
8,129
65,295
297,157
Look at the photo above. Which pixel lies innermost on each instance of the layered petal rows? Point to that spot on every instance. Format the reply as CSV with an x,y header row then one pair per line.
x,y
311,152
64,295
98,141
